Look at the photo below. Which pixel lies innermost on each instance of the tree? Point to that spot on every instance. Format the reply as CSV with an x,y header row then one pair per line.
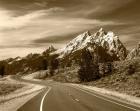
x,y
105,68
131,69
102,69
53,64
109,67
44,64
88,70
2,70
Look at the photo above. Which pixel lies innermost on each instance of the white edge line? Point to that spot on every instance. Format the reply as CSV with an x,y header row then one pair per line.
x,y
41,105
105,99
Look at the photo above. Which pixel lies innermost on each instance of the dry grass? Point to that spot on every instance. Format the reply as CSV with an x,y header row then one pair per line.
x,y
67,75
8,88
43,74
13,93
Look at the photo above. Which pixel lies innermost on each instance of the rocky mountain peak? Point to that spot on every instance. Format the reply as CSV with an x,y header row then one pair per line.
x,y
101,32
134,53
51,48
138,46
87,33
109,42
101,29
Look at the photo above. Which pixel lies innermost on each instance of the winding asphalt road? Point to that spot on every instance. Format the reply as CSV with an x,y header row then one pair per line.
x,y
67,97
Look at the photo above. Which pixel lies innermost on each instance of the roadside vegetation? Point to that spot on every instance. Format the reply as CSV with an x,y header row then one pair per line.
x,y
9,88
125,78
121,76
69,74
84,67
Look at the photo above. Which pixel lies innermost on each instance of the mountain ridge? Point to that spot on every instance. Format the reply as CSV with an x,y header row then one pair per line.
x,y
103,46
134,53
107,40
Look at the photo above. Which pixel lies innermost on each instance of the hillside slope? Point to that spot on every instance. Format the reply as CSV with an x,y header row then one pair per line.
x,y
121,80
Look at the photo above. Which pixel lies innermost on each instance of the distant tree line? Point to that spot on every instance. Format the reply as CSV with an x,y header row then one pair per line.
x,y
30,63
90,68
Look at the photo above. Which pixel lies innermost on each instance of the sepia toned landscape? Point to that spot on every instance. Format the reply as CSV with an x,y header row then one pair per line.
x,y
60,55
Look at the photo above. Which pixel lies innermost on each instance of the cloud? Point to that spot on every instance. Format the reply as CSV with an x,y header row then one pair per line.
x,y
127,13
46,26
35,24
68,28
58,39
7,20
8,52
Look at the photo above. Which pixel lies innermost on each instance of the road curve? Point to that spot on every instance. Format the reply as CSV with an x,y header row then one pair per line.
x,y
65,97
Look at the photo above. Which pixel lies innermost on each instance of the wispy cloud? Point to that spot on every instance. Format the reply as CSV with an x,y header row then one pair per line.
x,y
36,24
22,30
8,20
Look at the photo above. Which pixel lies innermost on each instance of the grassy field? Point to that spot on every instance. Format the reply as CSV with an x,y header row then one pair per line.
x,y
8,88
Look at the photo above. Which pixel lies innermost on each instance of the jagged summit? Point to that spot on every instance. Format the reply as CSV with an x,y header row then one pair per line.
x,y
107,40
134,53
51,48
87,33
101,29
12,60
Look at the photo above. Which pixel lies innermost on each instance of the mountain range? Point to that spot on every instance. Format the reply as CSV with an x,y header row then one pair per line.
x,y
104,46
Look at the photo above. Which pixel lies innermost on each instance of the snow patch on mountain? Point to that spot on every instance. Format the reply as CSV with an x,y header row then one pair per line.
x,y
108,40
15,60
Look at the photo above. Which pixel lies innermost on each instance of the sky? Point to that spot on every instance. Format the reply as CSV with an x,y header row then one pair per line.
x,y
31,26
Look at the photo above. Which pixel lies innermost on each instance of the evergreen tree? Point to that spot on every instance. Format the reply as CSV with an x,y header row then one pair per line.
x,y
88,71
44,64
109,67
53,64
105,68
2,69
131,69
102,69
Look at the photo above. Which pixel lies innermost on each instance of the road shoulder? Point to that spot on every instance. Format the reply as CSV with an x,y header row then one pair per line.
x,y
135,101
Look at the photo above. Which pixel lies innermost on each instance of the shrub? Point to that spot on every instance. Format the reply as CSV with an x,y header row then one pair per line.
x,y
105,68
41,75
131,69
